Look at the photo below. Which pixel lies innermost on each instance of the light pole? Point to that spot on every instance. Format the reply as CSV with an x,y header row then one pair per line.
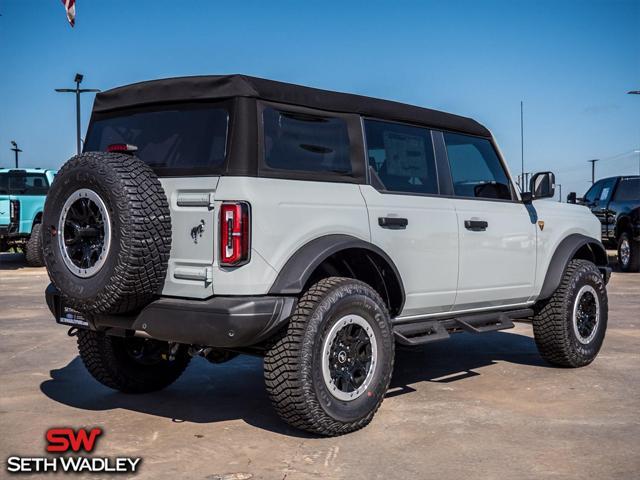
x,y
16,150
77,91
560,195
593,169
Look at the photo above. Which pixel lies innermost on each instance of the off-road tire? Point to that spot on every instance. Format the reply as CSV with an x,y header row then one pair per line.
x,y
633,265
135,267
553,320
107,360
292,366
33,254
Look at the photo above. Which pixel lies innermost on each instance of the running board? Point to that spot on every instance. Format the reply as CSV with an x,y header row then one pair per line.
x,y
419,332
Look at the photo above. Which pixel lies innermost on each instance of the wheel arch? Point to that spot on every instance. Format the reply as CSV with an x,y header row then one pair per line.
x,y
575,246
342,255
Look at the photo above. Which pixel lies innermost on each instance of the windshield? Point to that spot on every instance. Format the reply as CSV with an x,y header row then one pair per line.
x,y
22,183
172,140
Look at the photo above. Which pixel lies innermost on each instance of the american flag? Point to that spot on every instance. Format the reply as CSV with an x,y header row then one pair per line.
x,y
70,7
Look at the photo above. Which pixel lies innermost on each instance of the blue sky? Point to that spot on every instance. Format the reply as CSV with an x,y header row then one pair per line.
x,y
571,62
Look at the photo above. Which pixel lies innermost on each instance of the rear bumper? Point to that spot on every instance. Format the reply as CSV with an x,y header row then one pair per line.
x,y
222,322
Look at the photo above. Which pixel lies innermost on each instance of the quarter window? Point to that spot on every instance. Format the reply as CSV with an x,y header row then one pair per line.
x,y
402,157
476,170
307,143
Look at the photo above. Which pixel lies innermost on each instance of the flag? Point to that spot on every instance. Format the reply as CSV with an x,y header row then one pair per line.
x,y
70,7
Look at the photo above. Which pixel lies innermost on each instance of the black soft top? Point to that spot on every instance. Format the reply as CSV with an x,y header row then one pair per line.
x,y
216,87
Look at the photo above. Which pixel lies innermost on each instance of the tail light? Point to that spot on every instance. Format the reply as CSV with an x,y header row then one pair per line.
x,y
122,148
234,233
14,211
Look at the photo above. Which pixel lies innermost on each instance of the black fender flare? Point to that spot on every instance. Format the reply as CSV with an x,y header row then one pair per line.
x,y
564,253
301,265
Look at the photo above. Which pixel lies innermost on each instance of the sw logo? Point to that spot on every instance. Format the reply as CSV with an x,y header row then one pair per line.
x,y
67,440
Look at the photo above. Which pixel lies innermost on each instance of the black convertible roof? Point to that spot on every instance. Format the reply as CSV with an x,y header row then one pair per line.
x,y
228,86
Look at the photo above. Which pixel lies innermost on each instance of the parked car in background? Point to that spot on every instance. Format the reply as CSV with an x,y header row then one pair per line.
x,y
22,195
616,203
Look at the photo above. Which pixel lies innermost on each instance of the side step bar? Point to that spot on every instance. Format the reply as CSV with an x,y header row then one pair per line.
x,y
419,332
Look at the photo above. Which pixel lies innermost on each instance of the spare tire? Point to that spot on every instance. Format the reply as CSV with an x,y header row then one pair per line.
x,y
106,233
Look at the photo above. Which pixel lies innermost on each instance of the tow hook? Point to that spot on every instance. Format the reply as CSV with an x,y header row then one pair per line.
x,y
73,331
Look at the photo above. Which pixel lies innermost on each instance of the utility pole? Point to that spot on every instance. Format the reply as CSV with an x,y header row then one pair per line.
x,y
16,150
593,169
522,143
560,194
77,91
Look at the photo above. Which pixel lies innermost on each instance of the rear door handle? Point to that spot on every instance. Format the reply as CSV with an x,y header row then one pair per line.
x,y
476,225
393,223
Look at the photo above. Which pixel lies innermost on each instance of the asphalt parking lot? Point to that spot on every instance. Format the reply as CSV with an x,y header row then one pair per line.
x,y
474,407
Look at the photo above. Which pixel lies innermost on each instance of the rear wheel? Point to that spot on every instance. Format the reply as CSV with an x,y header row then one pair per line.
x,y
628,253
329,371
33,253
569,327
131,364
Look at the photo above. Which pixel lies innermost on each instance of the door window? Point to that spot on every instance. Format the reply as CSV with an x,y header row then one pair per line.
x,y
593,193
402,157
605,193
476,170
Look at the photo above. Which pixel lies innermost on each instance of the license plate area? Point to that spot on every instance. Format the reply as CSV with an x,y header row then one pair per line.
x,y
71,317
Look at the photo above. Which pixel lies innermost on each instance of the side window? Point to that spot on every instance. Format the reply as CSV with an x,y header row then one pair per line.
x,y
476,170
593,193
605,193
402,157
628,190
308,143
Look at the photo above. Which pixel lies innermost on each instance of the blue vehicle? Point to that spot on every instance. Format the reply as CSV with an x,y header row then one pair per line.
x,y
22,195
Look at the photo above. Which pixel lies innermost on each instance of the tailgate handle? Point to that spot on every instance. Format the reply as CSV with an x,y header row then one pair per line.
x,y
203,274
201,199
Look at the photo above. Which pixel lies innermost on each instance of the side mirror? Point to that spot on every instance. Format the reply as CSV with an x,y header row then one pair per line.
x,y
543,185
572,198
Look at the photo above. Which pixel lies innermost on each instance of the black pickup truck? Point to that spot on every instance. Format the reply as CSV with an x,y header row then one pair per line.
x,y
616,202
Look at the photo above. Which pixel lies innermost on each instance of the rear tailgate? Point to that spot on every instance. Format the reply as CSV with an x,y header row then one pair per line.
x,y
193,228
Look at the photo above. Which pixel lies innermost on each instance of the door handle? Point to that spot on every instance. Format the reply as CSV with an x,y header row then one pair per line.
x,y
393,223
476,225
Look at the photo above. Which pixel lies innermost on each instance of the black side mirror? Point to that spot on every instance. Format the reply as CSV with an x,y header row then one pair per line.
x,y
572,198
543,185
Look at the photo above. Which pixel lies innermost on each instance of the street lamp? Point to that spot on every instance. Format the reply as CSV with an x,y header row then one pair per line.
x,y
593,169
78,79
16,150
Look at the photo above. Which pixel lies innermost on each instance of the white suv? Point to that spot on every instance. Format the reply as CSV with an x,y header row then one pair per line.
x,y
227,214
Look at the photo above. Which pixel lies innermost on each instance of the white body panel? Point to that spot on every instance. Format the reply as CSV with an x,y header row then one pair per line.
x,y
285,215
426,252
498,265
560,220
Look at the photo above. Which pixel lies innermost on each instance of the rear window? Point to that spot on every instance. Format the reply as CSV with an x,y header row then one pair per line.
x,y
628,190
22,183
170,140
306,143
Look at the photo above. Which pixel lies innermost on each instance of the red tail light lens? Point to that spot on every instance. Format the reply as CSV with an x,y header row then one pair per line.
x,y
122,148
234,233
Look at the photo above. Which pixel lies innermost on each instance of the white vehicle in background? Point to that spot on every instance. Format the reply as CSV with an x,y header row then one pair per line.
x,y
228,214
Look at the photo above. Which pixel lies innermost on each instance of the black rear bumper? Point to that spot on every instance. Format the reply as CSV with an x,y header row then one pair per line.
x,y
222,322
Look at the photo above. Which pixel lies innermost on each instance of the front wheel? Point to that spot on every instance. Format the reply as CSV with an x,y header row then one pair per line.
x,y
569,327
33,252
329,371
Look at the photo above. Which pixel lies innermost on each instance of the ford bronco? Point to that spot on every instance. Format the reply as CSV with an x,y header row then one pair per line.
x,y
219,215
